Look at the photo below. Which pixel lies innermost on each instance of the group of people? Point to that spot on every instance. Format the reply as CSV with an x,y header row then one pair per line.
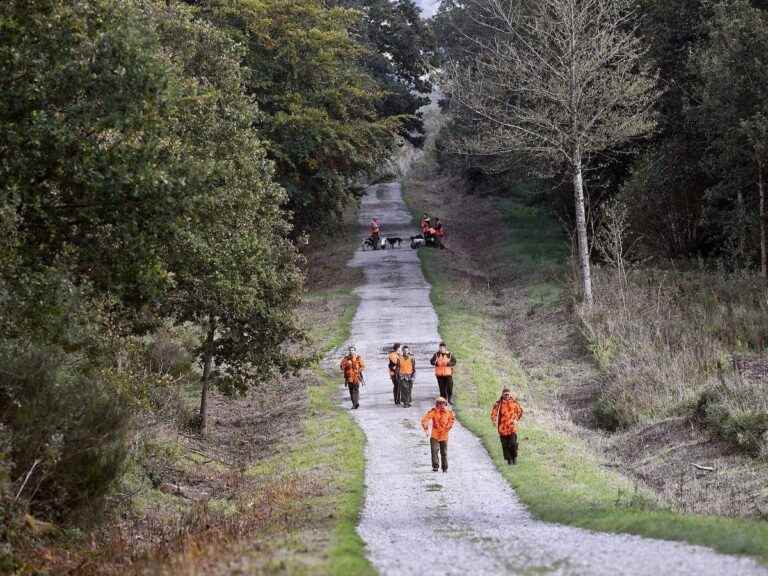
x,y
432,230
438,421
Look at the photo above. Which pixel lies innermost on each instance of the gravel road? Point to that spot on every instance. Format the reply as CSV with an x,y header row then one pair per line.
x,y
468,521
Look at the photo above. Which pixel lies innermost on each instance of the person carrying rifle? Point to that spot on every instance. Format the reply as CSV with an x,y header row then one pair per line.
x,y
352,366
505,414
394,357
444,361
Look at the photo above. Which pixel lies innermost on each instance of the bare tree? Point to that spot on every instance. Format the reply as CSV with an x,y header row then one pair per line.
x,y
557,79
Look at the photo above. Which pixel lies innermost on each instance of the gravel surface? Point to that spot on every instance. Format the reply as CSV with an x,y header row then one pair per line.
x,y
468,521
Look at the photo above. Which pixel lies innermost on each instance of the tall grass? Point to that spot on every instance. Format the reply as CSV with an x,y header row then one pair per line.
x,y
665,337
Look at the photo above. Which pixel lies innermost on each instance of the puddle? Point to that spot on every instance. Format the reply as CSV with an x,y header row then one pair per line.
x,y
433,487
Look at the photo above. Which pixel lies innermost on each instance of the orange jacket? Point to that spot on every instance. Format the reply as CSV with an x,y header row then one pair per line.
x,y
443,363
406,366
506,422
393,358
439,231
424,225
442,421
353,367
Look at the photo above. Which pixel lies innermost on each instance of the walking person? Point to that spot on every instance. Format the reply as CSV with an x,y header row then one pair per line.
x,y
352,366
505,414
440,419
394,357
444,361
406,370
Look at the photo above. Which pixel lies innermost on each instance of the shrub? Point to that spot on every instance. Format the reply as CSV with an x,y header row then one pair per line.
x,y
661,335
68,423
738,412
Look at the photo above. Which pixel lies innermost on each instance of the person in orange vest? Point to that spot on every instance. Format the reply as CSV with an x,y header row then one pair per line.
x,y
406,371
444,361
440,419
505,414
438,233
352,366
394,357
424,224
376,233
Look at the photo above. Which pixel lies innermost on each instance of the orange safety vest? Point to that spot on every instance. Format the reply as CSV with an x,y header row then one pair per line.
x,y
443,365
353,368
505,414
393,358
442,422
405,365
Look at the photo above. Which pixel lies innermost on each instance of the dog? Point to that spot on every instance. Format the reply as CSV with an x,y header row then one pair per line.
x,y
371,243
417,241
395,240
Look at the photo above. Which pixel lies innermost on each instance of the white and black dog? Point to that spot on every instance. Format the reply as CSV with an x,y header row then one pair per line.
x,y
394,241
370,243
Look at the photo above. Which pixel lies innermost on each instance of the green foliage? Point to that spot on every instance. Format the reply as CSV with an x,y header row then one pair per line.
x,y
318,108
135,193
399,46
738,414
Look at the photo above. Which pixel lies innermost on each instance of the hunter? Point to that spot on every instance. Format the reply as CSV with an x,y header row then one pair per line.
x,y
394,357
440,419
444,361
352,366
406,371
505,414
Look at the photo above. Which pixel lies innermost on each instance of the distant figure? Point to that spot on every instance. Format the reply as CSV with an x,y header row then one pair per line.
x,y
444,361
394,357
406,371
424,224
505,414
352,366
375,229
438,233
440,419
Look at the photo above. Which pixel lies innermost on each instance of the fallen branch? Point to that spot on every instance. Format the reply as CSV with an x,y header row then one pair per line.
x,y
705,468
26,479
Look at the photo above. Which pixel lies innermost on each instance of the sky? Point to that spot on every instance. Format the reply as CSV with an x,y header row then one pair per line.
x,y
429,7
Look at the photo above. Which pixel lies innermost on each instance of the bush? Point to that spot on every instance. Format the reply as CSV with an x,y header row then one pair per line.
x,y
69,425
737,412
661,336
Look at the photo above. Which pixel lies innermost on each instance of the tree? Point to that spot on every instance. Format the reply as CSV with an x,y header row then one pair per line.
x,y
559,79
732,110
399,47
318,113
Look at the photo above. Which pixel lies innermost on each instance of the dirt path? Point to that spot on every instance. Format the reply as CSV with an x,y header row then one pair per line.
x,y
468,521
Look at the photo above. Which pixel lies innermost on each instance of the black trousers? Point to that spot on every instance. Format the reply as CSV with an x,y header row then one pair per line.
x,y
406,387
442,447
354,394
509,447
396,387
445,383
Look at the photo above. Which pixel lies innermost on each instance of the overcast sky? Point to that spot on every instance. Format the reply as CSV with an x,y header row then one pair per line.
x,y
429,7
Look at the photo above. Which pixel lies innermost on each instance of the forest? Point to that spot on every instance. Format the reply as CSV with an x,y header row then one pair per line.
x,y
168,166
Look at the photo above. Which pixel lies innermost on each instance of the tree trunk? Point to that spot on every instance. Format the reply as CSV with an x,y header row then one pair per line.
x,y
581,232
741,223
207,368
761,191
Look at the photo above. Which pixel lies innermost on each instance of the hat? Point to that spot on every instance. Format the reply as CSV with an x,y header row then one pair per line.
x,y
440,399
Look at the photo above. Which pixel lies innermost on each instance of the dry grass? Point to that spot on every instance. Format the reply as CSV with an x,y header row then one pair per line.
x,y
503,277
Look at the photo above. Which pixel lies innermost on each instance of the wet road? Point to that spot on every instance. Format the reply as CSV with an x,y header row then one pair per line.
x,y
468,521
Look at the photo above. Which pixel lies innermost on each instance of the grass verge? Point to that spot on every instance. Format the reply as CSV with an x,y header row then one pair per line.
x,y
559,477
